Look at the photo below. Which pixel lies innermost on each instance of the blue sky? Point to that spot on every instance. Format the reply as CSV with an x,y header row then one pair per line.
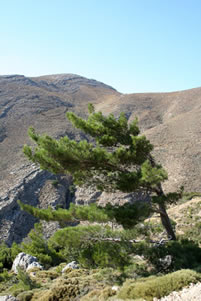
x,y
132,45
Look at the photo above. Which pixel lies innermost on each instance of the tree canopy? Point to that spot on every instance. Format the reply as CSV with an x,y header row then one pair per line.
x,y
117,159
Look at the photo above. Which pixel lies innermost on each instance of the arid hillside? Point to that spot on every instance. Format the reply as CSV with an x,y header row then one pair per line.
x,y
170,120
42,103
173,124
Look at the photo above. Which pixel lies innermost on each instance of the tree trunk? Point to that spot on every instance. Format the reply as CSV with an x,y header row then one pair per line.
x,y
164,216
162,209
166,222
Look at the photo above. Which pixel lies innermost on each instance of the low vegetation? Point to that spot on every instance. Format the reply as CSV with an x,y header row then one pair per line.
x,y
123,251
135,268
158,286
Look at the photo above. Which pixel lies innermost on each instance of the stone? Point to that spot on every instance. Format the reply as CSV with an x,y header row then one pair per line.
x,y
26,262
7,298
166,261
115,288
34,265
71,265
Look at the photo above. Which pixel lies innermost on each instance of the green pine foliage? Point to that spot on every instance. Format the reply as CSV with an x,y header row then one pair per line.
x,y
5,257
37,245
73,214
185,254
127,215
86,244
24,283
118,159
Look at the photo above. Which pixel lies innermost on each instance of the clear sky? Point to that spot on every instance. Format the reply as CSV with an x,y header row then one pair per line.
x,y
132,45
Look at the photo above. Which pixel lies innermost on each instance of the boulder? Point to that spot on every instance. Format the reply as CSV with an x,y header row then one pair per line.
x,y
26,262
166,261
71,265
34,265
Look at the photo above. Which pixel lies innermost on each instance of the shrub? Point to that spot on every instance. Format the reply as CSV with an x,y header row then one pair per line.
x,y
61,292
190,195
158,286
25,283
15,250
5,257
99,294
185,253
194,232
25,296
4,276
82,243
37,245
104,254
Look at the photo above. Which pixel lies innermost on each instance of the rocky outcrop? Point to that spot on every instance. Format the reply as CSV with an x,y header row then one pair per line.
x,y
14,223
25,262
34,187
55,193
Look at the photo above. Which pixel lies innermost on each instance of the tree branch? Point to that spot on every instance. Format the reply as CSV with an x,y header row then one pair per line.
x,y
131,241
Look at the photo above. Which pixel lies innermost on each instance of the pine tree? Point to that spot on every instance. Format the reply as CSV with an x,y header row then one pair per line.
x,y
117,159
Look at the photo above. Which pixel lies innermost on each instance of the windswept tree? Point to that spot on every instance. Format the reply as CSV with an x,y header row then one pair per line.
x,y
117,159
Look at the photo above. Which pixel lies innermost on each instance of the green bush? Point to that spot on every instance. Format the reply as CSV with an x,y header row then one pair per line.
x,y
60,292
37,245
5,257
4,276
190,195
194,232
158,286
25,296
15,250
185,254
99,294
25,283
104,254
82,244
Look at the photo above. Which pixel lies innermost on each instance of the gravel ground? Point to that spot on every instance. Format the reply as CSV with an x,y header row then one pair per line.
x,y
191,293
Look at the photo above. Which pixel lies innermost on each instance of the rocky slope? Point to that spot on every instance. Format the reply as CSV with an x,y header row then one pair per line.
x,y
170,120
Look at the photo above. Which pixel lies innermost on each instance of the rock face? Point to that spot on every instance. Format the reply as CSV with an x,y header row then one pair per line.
x,y
170,120
26,262
14,223
37,189
85,196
